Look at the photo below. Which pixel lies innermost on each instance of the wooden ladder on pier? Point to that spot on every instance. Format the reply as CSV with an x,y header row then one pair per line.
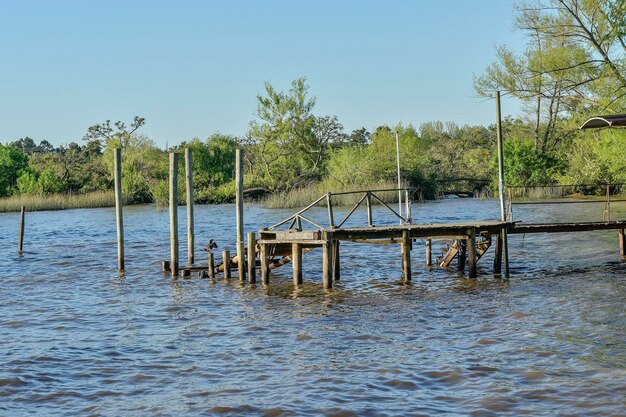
x,y
455,247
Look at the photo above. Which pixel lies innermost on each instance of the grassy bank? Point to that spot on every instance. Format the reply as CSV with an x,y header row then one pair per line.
x,y
58,201
302,197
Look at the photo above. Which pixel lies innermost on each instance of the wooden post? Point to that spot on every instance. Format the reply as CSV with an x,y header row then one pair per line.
x,y
296,258
429,252
165,266
368,201
622,243
119,221
20,243
265,267
471,252
226,263
408,206
497,256
336,262
190,202
211,265
327,261
462,254
501,185
331,219
406,256
241,253
173,197
251,257
185,272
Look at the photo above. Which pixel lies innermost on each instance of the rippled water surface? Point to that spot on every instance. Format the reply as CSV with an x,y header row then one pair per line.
x,y
79,339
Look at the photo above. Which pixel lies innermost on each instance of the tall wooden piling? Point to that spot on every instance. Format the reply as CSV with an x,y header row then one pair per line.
x,y
20,243
336,262
119,221
251,257
622,243
406,256
211,265
173,197
471,253
429,252
505,245
296,259
241,254
462,254
265,266
368,202
226,263
327,261
497,256
190,202
331,218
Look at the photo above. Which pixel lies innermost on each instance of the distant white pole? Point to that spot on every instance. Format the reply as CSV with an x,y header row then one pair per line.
x,y
399,180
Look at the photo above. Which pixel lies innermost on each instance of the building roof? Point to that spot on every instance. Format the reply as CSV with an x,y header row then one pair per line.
x,y
616,120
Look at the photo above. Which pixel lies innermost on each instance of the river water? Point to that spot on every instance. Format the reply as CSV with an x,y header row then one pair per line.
x,y
79,339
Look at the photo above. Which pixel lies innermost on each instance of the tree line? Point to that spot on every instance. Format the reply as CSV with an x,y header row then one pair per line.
x,y
573,67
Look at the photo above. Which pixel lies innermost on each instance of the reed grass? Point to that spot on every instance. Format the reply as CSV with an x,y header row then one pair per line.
x,y
58,201
302,197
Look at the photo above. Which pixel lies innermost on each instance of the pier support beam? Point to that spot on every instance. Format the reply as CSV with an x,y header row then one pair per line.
x,y
336,262
211,265
173,197
406,256
190,202
497,256
429,252
327,261
622,243
462,256
241,254
251,257
20,243
265,265
226,263
296,258
117,164
471,253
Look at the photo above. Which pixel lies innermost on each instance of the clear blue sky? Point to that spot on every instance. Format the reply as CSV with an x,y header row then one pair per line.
x,y
192,68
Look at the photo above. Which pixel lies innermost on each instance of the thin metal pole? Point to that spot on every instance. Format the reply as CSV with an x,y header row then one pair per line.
x,y
399,179
119,219
173,197
505,246
241,254
20,245
190,220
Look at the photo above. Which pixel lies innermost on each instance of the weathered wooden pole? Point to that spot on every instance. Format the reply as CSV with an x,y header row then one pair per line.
x,y
251,257
331,218
241,254
226,263
173,197
20,243
368,201
190,202
296,259
399,179
407,202
501,185
327,261
622,243
336,262
462,254
265,267
406,256
471,252
497,256
211,265
429,252
119,220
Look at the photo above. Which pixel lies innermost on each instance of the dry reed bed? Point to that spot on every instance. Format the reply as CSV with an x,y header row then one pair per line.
x,y
58,201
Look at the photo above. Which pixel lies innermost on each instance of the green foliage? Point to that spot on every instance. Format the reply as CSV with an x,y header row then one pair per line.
x,y
524,165
12,164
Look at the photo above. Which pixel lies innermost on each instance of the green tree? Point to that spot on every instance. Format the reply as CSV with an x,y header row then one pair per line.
x,y
12,164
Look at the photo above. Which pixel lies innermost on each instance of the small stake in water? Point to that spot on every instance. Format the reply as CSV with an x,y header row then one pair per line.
x,y
21,239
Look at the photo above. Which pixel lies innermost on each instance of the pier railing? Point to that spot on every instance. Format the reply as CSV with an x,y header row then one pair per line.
x,y
368,196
